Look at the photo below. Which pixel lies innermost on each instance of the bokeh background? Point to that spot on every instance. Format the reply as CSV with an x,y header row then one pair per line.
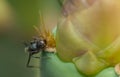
x,y
17,18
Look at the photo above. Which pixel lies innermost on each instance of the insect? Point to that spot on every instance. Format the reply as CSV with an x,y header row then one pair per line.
x,y
35,46
44,42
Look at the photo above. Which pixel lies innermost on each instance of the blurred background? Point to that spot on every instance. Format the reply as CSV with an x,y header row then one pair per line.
x,y
17,18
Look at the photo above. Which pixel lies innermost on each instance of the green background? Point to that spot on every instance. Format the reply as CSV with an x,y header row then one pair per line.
x,y
12,55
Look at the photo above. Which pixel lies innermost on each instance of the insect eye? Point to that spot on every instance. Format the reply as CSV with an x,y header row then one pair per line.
x,y
41,44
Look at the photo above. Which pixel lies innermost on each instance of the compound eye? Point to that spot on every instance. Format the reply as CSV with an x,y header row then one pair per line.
x,y
41,44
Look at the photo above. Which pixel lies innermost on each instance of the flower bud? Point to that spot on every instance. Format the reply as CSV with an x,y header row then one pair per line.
x,y
90,27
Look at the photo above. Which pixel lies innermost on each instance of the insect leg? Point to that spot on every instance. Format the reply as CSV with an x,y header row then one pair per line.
x,y
29,58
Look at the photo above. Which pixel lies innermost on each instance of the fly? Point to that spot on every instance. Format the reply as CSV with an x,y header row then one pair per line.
x,y
44,42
